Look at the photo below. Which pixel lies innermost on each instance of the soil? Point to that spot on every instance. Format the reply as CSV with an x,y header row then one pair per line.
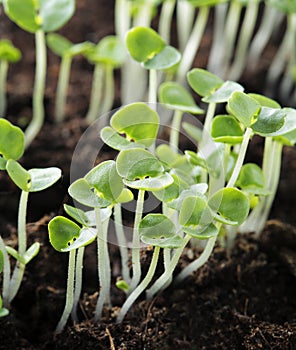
x,y
242,298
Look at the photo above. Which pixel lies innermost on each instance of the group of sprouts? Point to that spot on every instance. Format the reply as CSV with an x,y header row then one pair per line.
x,y
206,193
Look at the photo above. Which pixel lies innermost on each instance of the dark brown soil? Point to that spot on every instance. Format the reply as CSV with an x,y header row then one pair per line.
x,y
241,299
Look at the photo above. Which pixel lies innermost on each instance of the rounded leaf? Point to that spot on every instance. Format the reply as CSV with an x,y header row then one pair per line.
x,y
265,101
158,230
137,163
166,58
138,122
251,179
55,13
269,121
226,129
43,178
151,183
200,3
223,93
116,141
287,6
203,82
77,214
244,108
81,191
175,96
58,44
8,52
143,43
232,204
19,175
62,232
109,50
195,212
106,180
12,140
86,236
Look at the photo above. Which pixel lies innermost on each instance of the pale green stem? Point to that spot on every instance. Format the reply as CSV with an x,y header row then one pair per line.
x,y
141,287
199,262
19,269
103,266
185,18
240,158
122,18
152,97
262,36
96,94
6,274
175,130
275,171
121,242
231,29
39,87
218,39
165,20
78,282
136,242
206,137
247,29
159,284
280,59
193,43
108,99
206,133
166,262
69,294
144,15
287,82
63,82
3,80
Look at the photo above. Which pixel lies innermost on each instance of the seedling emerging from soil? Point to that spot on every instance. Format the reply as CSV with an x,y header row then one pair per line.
x,y
8,54
148,48
66,50
39,17
34,180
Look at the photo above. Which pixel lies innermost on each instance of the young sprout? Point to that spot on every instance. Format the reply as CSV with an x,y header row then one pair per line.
x,y
227,206
106,56
195,36
101,187
148,48
159,231
140,170
39,17
66,236
8,54
176,97
33,180
66,50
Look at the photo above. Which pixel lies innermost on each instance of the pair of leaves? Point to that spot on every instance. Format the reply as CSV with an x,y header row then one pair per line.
x,y
229,206
27,256
140,169
33,15
100,187
139,124
64,47
158,230
146,46
33,180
